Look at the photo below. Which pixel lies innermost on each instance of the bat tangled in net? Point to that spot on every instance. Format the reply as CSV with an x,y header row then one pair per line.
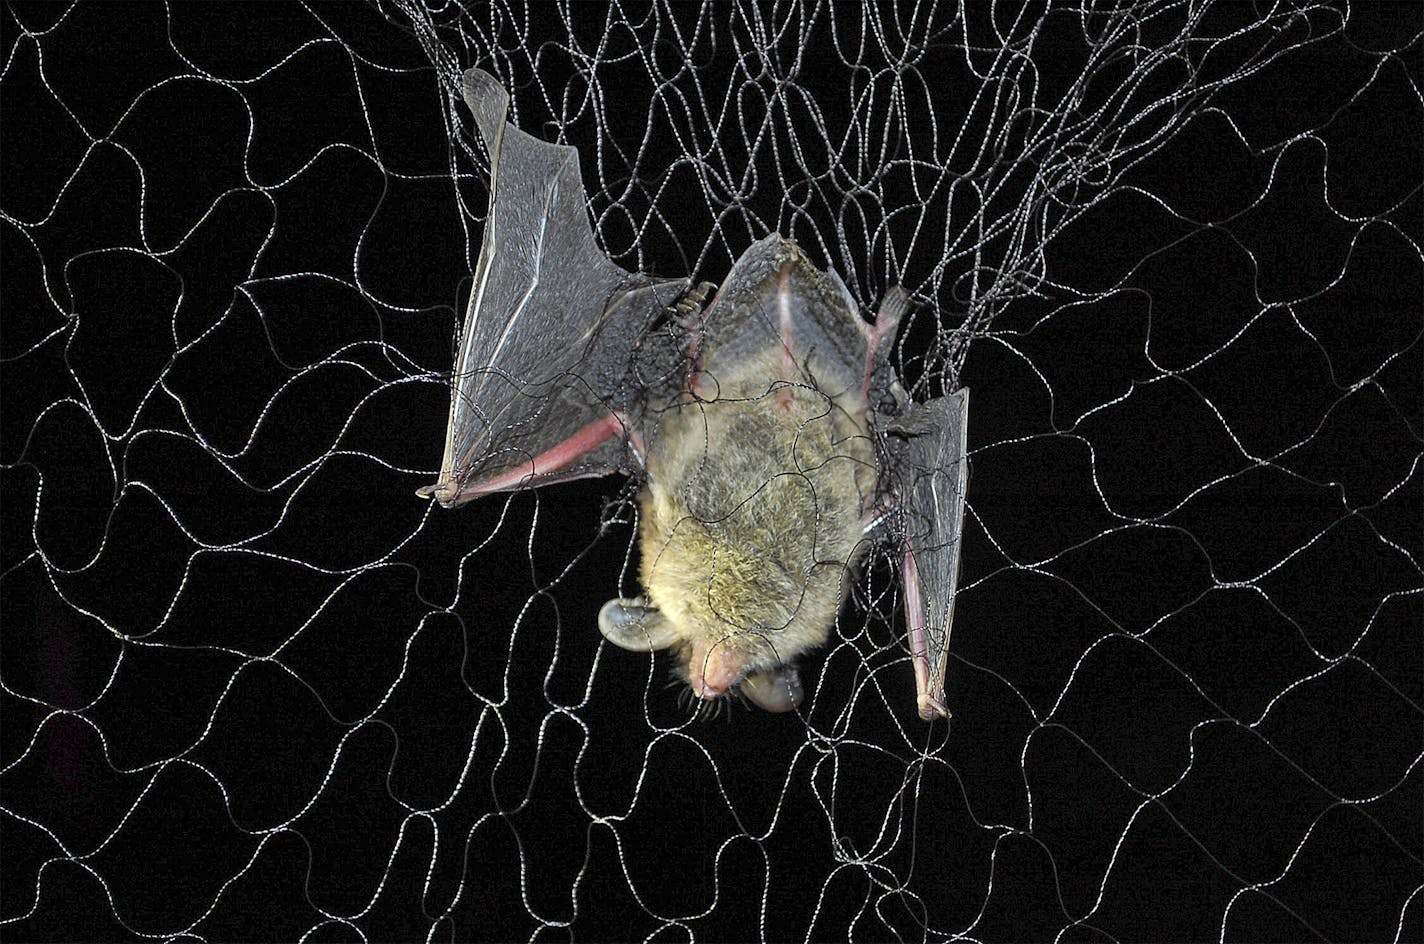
x,y
772,438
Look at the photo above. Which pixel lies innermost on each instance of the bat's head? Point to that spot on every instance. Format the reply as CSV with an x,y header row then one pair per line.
x,y
712,667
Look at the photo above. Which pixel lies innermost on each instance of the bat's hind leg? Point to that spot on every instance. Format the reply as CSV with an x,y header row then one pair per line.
x,y
887,321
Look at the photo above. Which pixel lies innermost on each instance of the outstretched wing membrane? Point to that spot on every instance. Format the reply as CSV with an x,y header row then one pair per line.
x,y
551,364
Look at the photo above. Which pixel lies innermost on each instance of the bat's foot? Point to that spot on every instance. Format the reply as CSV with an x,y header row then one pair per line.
x,y
691,301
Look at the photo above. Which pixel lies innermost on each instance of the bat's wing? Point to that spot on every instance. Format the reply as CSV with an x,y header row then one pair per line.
x,y
555,351
933,476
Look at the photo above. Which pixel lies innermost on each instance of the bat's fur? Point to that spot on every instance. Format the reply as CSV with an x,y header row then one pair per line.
x,y
752,515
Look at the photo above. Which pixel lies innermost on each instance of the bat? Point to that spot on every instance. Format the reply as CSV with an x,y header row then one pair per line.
x,y
772,439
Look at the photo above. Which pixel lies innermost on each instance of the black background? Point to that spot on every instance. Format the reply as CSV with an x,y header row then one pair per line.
x,y
254,690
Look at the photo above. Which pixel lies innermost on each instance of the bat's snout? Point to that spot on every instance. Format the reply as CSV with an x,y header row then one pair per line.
x,y
711,672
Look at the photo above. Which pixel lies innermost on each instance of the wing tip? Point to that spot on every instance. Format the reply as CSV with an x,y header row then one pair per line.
x,y
487,100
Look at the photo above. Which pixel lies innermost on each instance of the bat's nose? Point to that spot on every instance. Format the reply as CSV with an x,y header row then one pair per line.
x,y
712,671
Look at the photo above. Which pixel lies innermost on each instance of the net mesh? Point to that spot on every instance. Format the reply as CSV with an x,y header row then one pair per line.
x,y
253,689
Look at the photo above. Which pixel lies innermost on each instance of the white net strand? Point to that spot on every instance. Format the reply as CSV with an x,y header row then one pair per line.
x,y
254,690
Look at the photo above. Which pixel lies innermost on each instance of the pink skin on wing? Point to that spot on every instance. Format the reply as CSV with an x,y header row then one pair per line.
x,y
590,437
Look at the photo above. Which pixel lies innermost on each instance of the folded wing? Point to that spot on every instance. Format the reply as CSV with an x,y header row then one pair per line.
x,y
934,476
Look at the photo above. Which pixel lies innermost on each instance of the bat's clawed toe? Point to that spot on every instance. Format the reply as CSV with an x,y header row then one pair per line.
x,y
692,300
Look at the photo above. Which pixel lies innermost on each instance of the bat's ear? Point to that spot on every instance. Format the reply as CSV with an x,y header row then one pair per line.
x,y
636,625
777,690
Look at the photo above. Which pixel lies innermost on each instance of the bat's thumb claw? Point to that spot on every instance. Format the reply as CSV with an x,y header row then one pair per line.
x,y
440,491
443,491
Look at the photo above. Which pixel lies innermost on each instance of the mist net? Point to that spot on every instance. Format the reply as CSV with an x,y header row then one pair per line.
x,y
254,689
